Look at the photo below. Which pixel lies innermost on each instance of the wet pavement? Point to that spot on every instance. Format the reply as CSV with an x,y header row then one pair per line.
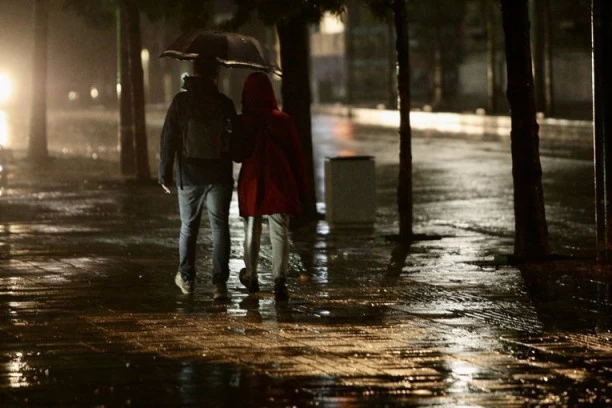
x,y
91,318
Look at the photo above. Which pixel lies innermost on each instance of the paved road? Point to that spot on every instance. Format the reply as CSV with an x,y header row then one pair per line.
x,y
91,316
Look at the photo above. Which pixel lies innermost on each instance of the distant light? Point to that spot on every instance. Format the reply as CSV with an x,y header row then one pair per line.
x,y
331,24
118,90
183,75
6,88
144,56
73,96
94,93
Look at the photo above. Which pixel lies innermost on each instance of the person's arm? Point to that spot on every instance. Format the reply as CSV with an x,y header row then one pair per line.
x,y
169,144
242,140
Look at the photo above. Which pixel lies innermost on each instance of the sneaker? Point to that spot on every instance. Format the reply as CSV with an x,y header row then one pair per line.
x,y
281,294
185,286
251,284
220,291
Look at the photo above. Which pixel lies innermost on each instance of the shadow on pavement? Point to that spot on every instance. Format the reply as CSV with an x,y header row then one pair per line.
x,y
570,295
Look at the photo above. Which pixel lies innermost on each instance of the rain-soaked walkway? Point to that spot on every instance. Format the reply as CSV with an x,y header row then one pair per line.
x,y
90,315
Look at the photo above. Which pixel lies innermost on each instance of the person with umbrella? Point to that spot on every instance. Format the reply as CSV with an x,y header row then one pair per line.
x,y
196,132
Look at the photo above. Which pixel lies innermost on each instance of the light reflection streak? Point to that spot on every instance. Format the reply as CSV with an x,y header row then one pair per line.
x,y
344,130
16,367
321,270
461,374
439,121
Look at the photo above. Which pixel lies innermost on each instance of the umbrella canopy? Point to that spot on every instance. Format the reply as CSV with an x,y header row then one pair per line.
x,y
230,49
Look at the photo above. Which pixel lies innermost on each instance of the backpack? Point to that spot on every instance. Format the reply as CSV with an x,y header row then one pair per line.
x,y
206,130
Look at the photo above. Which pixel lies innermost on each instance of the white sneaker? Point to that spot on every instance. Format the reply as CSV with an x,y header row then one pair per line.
x,y
185,286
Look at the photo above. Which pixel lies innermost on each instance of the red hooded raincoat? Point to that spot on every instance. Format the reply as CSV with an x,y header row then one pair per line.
x,y
272,179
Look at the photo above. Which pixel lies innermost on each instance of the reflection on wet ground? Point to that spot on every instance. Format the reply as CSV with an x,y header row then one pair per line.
x,y
91,316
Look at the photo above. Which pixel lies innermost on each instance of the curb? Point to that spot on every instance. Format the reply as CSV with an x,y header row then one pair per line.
x,y
464,123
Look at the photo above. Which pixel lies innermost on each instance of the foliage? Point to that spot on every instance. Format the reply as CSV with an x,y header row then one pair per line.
x,y
98,13
278,12
190,13
199,13
380,8
427,18
423,12
101,13
573,23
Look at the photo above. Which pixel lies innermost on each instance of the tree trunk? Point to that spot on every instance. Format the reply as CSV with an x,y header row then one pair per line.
x,y
542,54
404,188
156,65
392,102
37,147
437,102
549,104
350,57
601,26
491,57
295,51
127,160
138,99
531,231
537,37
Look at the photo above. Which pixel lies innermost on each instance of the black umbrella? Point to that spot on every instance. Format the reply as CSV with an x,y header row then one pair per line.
x,y
230,49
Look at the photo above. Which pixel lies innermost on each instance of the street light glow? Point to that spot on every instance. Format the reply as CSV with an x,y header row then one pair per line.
x,y
331,24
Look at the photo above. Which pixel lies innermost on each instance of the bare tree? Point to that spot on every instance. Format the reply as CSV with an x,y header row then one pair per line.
x,y
127,160
542,55
404,187
137,81
37,147
399,15
489,17
294,41
531,231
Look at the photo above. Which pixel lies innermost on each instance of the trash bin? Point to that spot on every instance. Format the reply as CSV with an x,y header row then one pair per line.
x,y
350,191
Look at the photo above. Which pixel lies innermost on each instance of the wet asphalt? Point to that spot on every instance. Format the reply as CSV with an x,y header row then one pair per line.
x,y
91,317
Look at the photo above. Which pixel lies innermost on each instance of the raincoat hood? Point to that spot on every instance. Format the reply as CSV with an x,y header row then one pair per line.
x,y
258,95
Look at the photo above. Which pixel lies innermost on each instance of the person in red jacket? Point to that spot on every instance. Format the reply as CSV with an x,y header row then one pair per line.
x,y
271,183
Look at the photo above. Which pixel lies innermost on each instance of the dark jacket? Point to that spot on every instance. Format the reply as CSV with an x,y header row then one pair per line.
x,y
192,172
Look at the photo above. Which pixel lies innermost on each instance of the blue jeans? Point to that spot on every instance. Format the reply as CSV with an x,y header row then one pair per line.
x,y
217,198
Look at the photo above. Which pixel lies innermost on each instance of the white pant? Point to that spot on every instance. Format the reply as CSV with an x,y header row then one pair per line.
x,y
278,224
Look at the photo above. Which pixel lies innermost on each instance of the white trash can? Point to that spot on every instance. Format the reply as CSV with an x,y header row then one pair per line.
x,y
350,191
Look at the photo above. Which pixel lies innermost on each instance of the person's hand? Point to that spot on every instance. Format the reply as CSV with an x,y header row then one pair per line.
x,y
166,189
